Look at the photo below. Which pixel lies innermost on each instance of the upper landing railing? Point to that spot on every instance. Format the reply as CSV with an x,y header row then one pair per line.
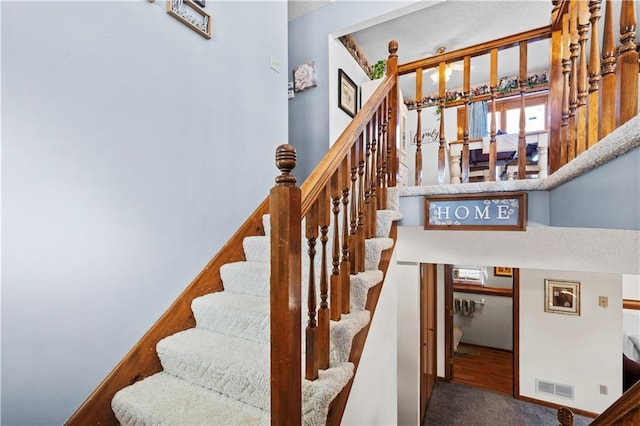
x,y
591,90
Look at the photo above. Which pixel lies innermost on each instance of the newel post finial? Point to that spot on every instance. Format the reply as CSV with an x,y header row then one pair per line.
x,y
286,161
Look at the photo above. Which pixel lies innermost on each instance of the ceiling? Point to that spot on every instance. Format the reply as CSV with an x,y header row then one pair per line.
x,y
456,24
297,8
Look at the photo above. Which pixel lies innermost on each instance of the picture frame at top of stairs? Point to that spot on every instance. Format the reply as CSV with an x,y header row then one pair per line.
x,y
192,15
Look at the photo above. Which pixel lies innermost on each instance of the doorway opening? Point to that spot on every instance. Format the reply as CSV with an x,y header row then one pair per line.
x,y
482,327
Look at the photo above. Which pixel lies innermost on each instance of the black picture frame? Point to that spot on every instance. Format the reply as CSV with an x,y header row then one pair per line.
x,y
347,94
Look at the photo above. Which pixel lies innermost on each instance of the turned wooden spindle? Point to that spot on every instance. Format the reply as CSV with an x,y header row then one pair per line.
x,y
465,130
522,140
493,83
581,108
324,313
442,95
285,303
345,261
564,130
593,100
392,70
336,282
627,64
311,364
574,48
354,254
373,175
608,89
361,202
555,93
418,164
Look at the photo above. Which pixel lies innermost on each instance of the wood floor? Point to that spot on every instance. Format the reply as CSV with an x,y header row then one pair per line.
x,y
484,367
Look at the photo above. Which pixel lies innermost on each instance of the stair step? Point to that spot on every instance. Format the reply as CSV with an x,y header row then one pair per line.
x,y
247,317
373,251
257,248
169,400
230,366
232,314
360,285
384,220
246,278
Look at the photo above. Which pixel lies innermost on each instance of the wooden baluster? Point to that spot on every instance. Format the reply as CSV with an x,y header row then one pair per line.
x,y
593,101
345,264
608,92
355,201
382,161
373,176
465,137
311,364
581,109
392,69
627,64
493,83
566,70
285,304
555,97
418,170
522,139
574,47
324,313
362,155
441,93
336,282
367,177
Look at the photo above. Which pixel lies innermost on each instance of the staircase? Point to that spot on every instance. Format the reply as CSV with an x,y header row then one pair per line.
x,y
218,372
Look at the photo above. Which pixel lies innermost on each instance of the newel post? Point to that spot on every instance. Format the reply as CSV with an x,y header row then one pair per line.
x,y
286,345
392,128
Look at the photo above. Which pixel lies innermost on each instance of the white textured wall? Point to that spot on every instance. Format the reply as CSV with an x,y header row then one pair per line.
x,y
583,351
373,398
408,344
126,141
561,250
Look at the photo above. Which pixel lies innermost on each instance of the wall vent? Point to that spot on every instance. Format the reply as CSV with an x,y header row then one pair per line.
x,y
555,389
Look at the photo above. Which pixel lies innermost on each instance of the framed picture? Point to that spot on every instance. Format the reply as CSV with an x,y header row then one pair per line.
x,y
201,3
305,77
347,94
562,297
191,14
502,271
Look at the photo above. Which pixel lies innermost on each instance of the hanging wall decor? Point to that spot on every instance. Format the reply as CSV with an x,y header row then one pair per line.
x,y
192,15
305,77
347,94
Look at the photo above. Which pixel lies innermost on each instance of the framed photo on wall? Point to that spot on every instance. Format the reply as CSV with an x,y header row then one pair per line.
x,y
502,271
562,297
347,94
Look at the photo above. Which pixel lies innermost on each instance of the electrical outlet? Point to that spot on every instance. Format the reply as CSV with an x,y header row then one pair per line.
x,y
603,301
275,64
604,390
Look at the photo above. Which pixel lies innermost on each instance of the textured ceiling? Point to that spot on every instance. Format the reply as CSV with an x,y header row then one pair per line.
x,y
297,8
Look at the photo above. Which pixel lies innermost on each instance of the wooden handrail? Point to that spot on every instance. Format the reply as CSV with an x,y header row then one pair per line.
x,y
476,50
625,411
321,175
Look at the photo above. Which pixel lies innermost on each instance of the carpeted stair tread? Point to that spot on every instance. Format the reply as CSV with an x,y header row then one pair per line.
x,y
257,248
360,285
343,332
246,278
373,251
233,367
163,399
238,315
384,220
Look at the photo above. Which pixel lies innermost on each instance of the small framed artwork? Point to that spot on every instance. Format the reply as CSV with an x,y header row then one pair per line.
x,y
305,77
502,271
201,3
191,14
347,94
562,297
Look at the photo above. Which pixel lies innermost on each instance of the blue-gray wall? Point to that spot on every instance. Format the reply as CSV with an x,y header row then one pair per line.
x,y
606,197
309,41
132,148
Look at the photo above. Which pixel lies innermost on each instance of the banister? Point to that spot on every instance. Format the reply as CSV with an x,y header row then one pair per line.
x,y
476,50
622,410
320,176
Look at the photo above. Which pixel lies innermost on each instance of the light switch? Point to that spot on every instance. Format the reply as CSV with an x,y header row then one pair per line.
x,y
603,301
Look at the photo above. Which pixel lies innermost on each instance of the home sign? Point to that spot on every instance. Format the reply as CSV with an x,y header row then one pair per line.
x,y
506,211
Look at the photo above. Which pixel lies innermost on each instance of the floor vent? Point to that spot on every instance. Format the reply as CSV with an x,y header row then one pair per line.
x,y
556,389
